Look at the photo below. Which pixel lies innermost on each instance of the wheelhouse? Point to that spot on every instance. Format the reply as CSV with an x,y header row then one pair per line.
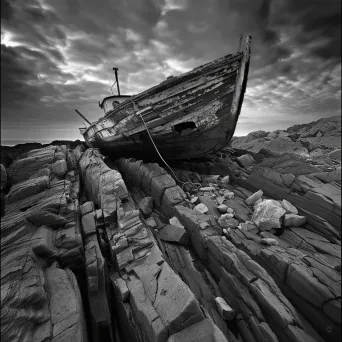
x,y
109,103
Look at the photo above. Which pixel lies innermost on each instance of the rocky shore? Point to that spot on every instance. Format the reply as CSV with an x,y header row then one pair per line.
x,y
244,246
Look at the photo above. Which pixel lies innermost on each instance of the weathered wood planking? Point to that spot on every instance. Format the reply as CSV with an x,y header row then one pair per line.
x,y
208,99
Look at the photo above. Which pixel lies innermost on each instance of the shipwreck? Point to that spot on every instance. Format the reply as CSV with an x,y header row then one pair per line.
x,y
188,116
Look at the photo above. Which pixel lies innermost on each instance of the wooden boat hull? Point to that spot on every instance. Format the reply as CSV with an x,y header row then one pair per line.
x,y
189,116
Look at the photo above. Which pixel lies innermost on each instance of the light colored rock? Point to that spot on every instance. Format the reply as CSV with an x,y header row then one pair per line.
x,y
172,233
248,226
225,180
290,209
228,194
220,199
268,215
175,222
224,309
269,241
292,220
146,206
253,198
207,188
202,208
222,208
257,203
246,160
226,221
123,289
230,211
194,200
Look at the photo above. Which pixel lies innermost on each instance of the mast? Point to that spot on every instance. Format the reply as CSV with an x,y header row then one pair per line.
x,y
117,79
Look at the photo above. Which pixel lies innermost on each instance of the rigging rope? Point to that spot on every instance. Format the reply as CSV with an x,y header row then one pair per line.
x,y
136,110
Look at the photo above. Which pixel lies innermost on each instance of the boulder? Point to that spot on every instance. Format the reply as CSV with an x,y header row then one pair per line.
x,y
246,160
59,168
172,233
293,220
146,206
268,215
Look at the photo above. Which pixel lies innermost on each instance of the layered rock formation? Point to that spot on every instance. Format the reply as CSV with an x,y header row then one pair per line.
x,y
232,249
40,244
320,140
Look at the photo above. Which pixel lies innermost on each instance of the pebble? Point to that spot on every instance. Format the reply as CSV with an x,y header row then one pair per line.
x,y
228,194
222,208
292,220
290,209
194,200
254,197
269,241
207,188
202,208
220,199
225,180
224,309
230,210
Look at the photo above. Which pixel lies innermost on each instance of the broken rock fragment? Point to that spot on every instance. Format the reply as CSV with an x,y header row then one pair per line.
x,y
174,221
146,206
290,209
226,221
203,331
224,309
292,220
253,198
202,208
269,241
225,180
222,208
246,160
268,215
172,233
228,194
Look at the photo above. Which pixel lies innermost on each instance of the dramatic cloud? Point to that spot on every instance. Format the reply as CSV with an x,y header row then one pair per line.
x,y
58,55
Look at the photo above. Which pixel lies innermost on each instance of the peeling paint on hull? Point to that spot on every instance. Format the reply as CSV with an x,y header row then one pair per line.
x,y
188,116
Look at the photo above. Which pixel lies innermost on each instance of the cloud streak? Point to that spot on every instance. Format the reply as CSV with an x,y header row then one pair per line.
x,y
57,56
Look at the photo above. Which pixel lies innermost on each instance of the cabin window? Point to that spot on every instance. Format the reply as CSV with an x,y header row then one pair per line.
x,y
115,104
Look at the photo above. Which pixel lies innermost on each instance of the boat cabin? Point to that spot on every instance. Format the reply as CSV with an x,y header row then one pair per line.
x,y
111,102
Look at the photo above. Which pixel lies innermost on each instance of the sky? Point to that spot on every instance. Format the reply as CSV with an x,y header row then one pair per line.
x,y
57,56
